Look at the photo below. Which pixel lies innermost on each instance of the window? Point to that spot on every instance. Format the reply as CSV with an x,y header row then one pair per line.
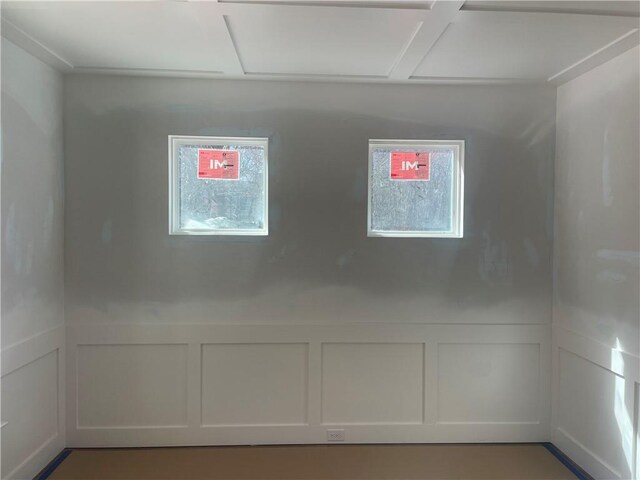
x,y
218,186
416,188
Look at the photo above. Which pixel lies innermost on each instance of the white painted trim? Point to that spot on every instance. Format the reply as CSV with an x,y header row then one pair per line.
x,y
598,353
252,7
305,434
457,146
39,459
512,7
598,57
601,356
306,77
26,351
313,431
152,334
423,39
430,25
19,355
402,55
235,67
583,457
34,47
174,182
378,4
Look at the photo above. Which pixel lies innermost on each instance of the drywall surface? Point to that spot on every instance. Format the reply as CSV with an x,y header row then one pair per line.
x,y
596,316
32,194
317,264
32,263
278,339
597,199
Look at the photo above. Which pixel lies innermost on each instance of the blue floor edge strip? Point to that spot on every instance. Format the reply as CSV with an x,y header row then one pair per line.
x,y
55,463
555,451
567,462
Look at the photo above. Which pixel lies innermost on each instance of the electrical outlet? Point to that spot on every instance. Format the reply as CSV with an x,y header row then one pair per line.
x,y
335,435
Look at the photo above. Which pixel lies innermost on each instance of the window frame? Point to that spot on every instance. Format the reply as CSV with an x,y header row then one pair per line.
x,y
174,142
457,204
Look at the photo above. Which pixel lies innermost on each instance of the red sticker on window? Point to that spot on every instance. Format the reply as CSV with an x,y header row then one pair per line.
x,y
221,164
410,165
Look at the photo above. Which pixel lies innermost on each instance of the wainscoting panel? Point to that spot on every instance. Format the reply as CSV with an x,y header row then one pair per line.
x,y
595,405
275,384
132,385
488,383
371,383
254,384
32,404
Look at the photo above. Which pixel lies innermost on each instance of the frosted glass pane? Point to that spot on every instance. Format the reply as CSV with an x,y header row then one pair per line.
x,y
220,204
412,205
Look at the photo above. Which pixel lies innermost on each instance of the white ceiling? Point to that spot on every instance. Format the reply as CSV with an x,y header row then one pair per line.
x,y
414,41
522,45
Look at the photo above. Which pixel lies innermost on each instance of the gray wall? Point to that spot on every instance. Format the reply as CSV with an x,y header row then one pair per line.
x,y
317,265
32,263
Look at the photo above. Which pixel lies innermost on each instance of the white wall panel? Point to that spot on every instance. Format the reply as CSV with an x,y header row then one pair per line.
x,y
289,384
32,196
595,405
33,378
488,382
372,383
596,314
132,385
32,263
252,384
590,391
29,405
597,244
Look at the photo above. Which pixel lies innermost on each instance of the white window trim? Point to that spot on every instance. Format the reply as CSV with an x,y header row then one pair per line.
x,y
174,183
458,187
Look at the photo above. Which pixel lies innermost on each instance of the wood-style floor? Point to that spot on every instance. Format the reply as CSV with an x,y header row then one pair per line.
x,y
441,462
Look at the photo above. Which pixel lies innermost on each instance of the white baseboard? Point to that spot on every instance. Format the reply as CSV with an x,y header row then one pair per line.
x,y
581,455
34,463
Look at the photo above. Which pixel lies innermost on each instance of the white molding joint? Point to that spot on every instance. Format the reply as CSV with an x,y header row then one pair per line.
x,y
437,19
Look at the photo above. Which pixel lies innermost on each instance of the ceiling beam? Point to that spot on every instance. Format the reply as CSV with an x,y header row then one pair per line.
x,y
600,56
577,8
425,37
235,66
390,4
22,39
211,17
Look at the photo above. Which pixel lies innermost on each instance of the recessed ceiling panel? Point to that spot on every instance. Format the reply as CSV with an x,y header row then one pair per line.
x,y
126,35
354,41
519,45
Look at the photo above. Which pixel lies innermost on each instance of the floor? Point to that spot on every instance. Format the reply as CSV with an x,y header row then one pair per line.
x,y
442,462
